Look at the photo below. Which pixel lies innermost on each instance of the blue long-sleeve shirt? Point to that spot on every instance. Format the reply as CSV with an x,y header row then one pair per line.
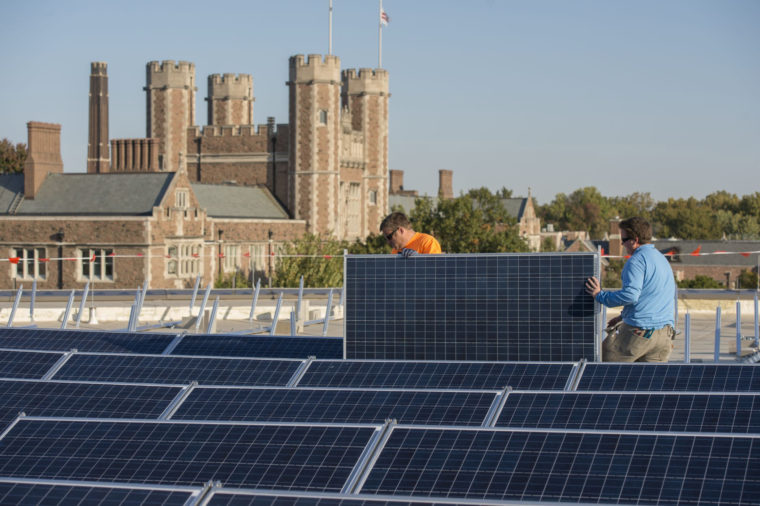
x,y
648,291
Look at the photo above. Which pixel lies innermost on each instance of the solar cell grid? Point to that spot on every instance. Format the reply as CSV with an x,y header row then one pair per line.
x,y
49,495
51,398
174,369
336,406
555,466
228,498
26,364
444,375
673,412
671,377
284,457
470,307
260,346
92,341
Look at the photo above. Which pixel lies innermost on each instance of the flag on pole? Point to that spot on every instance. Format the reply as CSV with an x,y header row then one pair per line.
x,y
384,19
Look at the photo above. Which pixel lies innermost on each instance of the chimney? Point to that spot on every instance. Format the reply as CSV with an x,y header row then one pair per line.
x,y
397,181
98,159
445,186
44,145
616,247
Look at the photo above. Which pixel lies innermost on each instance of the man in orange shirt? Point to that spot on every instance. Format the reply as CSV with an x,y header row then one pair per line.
x,y
398,232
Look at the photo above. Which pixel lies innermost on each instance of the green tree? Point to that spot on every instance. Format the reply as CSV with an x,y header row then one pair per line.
x,y
584,209
373,245
700,281
723,201
476,222
612,272
547,245
12,157
684,219
635,204
748,279
233,280
319,260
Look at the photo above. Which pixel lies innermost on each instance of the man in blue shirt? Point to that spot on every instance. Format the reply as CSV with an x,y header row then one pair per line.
x,y
647,297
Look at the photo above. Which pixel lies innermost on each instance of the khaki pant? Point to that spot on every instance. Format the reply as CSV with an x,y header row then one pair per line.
x,y
630,345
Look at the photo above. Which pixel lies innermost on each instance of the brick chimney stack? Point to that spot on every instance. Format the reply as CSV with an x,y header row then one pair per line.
x,y
445,184
616,247
44,148
397,181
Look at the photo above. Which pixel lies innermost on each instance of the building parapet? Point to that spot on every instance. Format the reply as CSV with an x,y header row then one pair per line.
x,y
314,68
374,81
168,74
135,155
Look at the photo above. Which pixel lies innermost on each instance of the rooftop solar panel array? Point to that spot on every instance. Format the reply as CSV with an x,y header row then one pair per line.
x,y
173,369
470,307
26,364
83,340
671,377
445,375
41,494
260,346
51,398
336,406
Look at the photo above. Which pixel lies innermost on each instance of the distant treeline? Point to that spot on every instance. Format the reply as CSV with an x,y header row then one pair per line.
x,y
718,215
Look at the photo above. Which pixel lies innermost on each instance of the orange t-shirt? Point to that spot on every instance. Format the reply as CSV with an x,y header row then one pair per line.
x,y
422,243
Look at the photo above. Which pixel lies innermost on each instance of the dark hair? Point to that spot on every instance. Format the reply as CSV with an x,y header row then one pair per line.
x,y
637,228
395,220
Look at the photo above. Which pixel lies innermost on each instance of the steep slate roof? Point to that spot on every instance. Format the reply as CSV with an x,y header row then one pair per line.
x,y
88,194
226,201
515,206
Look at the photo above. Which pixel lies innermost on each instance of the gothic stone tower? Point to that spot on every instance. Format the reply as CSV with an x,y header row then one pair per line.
x,y
314,141
97,148
365,95
170,91
230,99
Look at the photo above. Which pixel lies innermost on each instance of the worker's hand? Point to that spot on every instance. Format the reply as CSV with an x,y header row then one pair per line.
x,y
407,252
592,287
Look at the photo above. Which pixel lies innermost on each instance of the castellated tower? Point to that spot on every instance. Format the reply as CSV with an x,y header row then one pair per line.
x,y
314,141
97,148
365,95
170,91
230,99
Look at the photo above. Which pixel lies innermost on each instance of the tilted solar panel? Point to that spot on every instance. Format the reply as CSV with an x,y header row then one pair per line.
x,y
617,468
285,457
83,340
49,495
175,369
336,406
675,412
671,377
26,364
226,497
444,375
260,346
52,398
470,307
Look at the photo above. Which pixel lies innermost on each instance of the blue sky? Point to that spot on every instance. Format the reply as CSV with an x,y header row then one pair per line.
x,y
640,95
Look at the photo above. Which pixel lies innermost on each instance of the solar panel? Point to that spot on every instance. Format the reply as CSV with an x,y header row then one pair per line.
x,y
675,412
49,495
568,466
336,406
470,307
307,458
26,364
171,369
51,398
260,346
226,497
83,340
445,375
671,377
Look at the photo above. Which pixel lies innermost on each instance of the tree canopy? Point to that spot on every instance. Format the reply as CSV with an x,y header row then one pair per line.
x,y
12,157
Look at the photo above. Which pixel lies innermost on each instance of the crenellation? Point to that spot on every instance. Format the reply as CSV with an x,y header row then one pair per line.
x,y
98,68
366,80
168,74
315,68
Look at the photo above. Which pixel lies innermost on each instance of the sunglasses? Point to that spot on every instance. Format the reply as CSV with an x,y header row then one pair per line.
x,y
388,237
625,239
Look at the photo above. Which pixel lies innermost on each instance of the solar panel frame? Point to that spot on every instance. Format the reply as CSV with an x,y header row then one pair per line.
x,y
27,364
225,345
471,307
84,340
75,399
691,377
337,406
702,412
306,457
568,465
52,492
482,375
178,369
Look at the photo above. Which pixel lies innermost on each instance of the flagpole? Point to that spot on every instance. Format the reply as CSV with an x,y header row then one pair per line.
x,y
329,31
380,36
